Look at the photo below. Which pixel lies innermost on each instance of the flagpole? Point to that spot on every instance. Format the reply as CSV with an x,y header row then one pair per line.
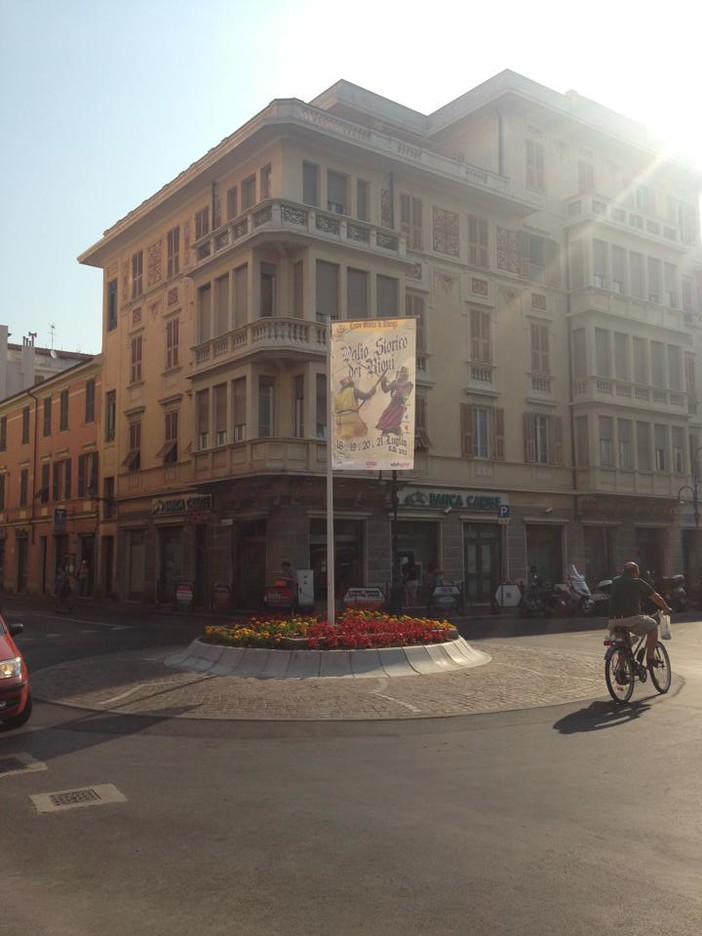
x,y
331,608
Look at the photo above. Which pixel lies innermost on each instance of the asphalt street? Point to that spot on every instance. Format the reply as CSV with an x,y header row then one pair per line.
x,y
578,818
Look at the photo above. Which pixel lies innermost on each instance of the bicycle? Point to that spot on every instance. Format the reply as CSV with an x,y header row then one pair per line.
x,y
624,664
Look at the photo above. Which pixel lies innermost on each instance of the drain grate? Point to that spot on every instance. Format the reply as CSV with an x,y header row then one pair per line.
x,y
74,797
62,800
19,764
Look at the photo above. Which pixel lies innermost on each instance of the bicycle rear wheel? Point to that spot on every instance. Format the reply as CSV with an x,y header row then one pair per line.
x,y
661,675
619,673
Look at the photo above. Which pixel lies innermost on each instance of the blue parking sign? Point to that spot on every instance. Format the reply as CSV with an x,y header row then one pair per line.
x,y
503,511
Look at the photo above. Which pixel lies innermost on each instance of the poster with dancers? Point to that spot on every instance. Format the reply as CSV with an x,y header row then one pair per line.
x,y
373,378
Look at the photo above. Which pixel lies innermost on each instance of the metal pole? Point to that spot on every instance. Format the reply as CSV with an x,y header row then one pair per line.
x,y
395,587
331,606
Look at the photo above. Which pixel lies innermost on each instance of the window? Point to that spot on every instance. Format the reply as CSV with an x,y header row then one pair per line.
x,y
248,193
445,232
173,252
321,406
266,387
202,416
356,294
670,284
415,307
63,411
411,221
599,264
90,400
327,290
482,432
61,484
542,436
687,294
535,174
636,275
25,425
221,305
133,460
690,379
219,398
108,495
204,313
579,354
421,436
674,367
602,353
298,296
239,409
137,274
388,290
202,222
336,192
643,199
299,406
44,490
265,181
582,444
643,446
654,280
539,349
362,207
660,447
606,453
678,443
657,364
169,450
586,176
87,475
47,416
480,343
268,297
535,258
136,359
619,278
310,184
112,305
110,415
232,203
24,487
2,491
621,356
640,361
241,296
3,433
478,246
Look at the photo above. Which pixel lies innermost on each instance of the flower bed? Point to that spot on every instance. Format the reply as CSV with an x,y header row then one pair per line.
x,y
352,630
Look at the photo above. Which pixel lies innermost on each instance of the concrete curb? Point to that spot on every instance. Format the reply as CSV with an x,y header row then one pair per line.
x,y
425,660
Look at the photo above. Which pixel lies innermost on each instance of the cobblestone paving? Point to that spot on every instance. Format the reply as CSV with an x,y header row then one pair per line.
x,y
136,683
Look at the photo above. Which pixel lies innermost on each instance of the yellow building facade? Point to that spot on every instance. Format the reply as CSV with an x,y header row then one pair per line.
x,y
549,254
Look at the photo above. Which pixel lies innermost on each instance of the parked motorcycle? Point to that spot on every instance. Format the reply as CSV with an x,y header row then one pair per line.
x,y
540,598
579,593
600,597
672,588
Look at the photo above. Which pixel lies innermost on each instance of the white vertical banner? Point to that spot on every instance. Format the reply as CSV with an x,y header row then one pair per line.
x,y
373,388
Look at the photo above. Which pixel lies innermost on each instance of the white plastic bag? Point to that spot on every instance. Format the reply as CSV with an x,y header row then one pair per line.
x,y
664,624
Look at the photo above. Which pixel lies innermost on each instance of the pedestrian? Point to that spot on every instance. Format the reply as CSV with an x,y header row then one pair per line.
x,y
63,589
83,579
410,577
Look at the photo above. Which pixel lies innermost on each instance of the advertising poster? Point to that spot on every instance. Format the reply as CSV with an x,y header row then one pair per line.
x,y
373,379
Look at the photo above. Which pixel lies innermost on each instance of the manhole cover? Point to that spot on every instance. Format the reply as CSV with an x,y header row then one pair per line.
x,y
63,800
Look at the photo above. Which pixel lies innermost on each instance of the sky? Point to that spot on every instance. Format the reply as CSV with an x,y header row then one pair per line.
x,y
102,103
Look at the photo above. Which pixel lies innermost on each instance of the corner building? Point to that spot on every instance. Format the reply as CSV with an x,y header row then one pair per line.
x,y
549,254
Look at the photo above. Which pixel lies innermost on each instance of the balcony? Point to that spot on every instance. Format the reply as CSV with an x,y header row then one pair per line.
x,y
278,217
628,393
274,337
480,376
591,208
599,299
260,456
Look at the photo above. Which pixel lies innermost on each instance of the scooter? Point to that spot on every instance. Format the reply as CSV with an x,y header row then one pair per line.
x,y
540,598
600,596
579,592
672,588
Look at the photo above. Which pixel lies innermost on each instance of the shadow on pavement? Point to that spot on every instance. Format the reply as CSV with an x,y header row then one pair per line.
x,y
600,715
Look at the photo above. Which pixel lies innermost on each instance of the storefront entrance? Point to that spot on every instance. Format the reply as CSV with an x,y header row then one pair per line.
x,y
249,563
600,552
482,557
650,546
22,554
544,549
136,553
171,556
348,567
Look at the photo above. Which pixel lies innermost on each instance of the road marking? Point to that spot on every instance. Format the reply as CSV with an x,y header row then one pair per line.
x,y
122,695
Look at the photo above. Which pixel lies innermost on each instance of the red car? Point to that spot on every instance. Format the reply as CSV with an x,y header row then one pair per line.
x,y
15,694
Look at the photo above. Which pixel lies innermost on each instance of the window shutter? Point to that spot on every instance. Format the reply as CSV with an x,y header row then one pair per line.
x,y
474,335
553,267
466,430
499,433
67,479
55,485
535,349
557,424
529,439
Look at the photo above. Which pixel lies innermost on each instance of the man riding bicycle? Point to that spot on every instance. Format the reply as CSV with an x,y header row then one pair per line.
x,y
625,597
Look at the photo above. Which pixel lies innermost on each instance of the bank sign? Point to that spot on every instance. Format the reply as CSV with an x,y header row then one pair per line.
x,y
176,505
496,504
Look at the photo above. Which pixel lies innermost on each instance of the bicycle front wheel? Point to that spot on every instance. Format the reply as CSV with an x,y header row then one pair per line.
x,y
660,674
619,673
